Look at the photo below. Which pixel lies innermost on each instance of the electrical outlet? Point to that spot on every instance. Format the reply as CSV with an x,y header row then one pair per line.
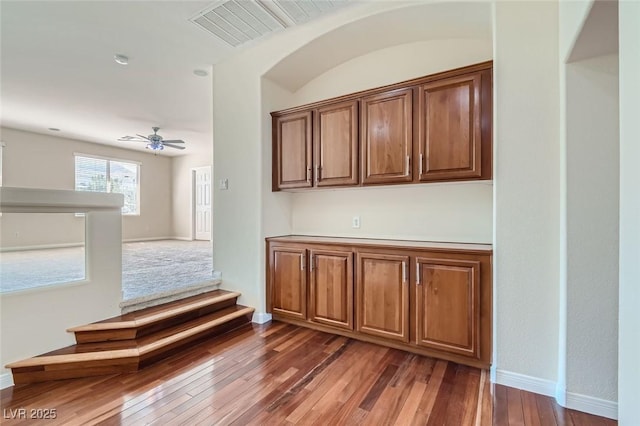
x,y
355,222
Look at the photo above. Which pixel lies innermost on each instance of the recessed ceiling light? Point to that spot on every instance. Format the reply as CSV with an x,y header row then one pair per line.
x,y
200,73
54,129
121,59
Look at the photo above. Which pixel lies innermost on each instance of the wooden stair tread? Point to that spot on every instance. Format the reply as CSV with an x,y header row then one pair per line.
x,y
158,313
87,352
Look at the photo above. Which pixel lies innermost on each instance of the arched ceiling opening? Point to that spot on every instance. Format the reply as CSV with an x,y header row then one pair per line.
x,y
449,20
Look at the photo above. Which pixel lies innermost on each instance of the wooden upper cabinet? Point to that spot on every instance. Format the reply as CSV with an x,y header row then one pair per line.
x,y
292,151
336,144
382,295
448,305
331,287
386,121
450,128
288,281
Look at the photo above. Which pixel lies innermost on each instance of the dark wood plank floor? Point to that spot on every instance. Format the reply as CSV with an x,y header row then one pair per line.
x,y
279,374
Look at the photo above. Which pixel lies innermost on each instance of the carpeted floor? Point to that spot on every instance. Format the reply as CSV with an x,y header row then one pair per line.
x,y
147,267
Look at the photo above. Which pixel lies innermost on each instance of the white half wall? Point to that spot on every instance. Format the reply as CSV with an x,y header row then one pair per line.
x,y
33,160
35,321
629,299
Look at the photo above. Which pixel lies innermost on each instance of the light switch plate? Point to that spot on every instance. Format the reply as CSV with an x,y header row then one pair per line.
x,y
223,184
355,222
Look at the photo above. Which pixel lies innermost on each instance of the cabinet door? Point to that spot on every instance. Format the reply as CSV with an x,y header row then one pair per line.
x,y
331,288
288,281
336,144
448,305
292,151
449,129
382,298
387,137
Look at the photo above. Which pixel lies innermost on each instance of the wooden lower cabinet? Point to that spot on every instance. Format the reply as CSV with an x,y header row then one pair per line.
x,y
447,304
432,300
288,277
383,295
331,285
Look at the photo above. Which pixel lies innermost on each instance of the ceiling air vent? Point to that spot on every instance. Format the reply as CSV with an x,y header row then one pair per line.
x,y
238,21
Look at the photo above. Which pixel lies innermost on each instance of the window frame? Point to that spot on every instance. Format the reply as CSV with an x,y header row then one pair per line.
x,y
138,165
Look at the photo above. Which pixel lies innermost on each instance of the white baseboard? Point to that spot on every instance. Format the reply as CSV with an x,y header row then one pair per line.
x,y
574,401
6,380
40,247
528,383
141,240
261,317
591,405
182,238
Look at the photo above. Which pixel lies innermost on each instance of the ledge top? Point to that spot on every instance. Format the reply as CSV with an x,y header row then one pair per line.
x,y
385,243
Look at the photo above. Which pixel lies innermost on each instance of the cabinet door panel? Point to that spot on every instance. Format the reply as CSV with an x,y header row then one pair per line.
x,y
293,151
448,305
288,282
449,128
336,144
387,137
383,296
331,287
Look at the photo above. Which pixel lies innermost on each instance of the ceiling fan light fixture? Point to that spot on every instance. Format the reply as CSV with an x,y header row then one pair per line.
x,y
155,146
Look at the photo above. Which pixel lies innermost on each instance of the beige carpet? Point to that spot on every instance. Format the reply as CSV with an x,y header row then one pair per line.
x,y
147,267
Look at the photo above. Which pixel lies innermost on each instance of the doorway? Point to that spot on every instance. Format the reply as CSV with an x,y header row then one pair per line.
x,y
201,203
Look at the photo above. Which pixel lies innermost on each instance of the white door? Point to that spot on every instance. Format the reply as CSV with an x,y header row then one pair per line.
x,y
202,203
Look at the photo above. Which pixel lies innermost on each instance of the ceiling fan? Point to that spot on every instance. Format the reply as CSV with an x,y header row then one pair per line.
x,y
154,142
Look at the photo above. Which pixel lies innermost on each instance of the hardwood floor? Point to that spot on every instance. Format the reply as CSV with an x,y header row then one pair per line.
x,y
278,374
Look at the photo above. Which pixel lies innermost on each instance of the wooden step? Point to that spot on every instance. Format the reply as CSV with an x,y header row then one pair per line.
x,y
157,332
147,321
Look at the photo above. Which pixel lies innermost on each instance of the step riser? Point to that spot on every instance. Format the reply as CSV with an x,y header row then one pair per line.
x,y
167,351
22,376
129,334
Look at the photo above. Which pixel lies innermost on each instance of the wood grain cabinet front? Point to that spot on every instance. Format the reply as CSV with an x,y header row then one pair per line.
x,y
433,300
452,128
316,147
288,278
292,151
387,137
382,297
331,287
447,297
433,128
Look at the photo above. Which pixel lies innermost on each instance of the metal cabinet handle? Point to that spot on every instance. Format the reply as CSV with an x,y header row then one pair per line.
x,y
318,173
302,262
421,162
404,272
417,273
408,165
309,174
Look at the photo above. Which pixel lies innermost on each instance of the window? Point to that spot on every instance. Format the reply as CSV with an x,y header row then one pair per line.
x,y
107,175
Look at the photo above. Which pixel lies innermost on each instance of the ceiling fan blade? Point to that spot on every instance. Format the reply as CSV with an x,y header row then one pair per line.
x,y
143,137
131,139
173,141
173,146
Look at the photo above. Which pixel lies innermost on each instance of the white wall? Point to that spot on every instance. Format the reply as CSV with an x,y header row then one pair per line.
x,y
592,227
629,317
526,167
181,192
33,160
460,212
